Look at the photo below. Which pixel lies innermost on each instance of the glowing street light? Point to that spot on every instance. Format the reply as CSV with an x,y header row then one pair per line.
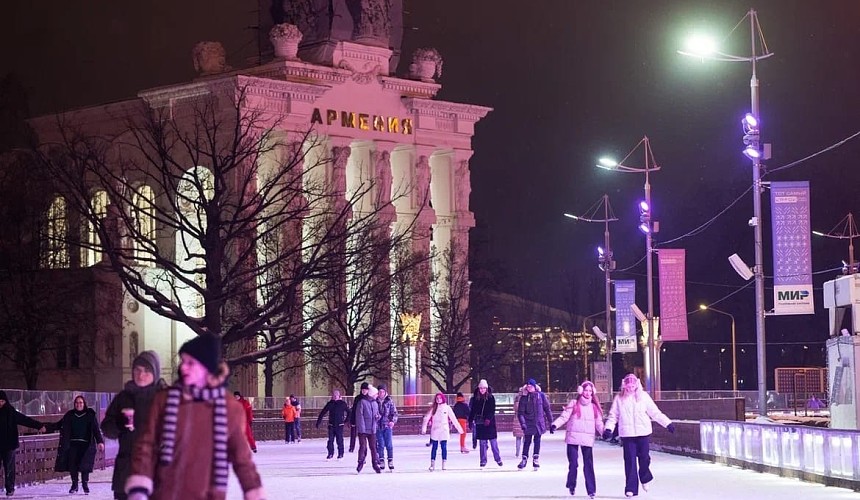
x,y
703,307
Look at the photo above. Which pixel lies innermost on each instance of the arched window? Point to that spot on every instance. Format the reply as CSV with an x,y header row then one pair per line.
x,y
91,254
55,231
144,219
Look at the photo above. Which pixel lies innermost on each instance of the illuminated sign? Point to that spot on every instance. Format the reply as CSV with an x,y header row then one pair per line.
x,y
363,121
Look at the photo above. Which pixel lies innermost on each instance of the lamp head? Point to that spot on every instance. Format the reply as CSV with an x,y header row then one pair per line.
x,y
644,208
645,228
600,252
607,163
752,153
703,307
700,45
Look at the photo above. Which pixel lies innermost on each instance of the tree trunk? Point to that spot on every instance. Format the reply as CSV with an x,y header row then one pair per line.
x,y
268,375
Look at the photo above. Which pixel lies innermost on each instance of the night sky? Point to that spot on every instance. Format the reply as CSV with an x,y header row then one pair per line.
x,y
569,81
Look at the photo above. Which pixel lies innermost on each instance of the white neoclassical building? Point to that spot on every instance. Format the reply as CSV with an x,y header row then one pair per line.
x,y
368,121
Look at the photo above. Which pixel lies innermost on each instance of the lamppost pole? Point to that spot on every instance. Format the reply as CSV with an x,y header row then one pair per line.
x,y
734,345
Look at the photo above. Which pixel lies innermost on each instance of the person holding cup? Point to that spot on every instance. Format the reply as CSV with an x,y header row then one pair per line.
x,y
128,411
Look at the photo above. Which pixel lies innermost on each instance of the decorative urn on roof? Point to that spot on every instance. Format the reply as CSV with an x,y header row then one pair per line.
x,y
426,65
285,39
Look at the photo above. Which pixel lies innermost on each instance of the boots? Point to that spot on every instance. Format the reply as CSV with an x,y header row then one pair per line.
x,y
86,487
535,462
74,488
443,464
432,466
391,464
360,466
523,462
463,449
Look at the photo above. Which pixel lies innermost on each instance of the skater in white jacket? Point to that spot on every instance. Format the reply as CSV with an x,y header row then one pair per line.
x,y
584,419
437,419
632,411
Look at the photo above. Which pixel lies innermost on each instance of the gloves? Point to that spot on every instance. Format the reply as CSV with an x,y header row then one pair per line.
x,y
552,428
671,428
523,427
487,422
607,434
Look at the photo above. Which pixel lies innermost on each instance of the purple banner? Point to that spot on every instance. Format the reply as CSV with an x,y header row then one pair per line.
x,y
625,321
673,294
792,251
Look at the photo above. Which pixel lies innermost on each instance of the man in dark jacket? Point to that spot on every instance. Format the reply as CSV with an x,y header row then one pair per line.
x,y
358,397
534,415
385,430
10,419
338,413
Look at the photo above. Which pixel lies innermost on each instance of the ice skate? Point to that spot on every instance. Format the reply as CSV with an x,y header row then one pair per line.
x,y
391,464
74,488
86,487
500,463
443,464
432,466
523,463
360,466
646,486
535,462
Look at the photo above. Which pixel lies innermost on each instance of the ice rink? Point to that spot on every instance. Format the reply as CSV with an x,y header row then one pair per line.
x,y
300,471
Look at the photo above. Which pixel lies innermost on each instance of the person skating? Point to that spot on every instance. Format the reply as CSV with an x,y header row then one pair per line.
x,y
516,430
357,399
338,415
461,411
482,419
288,412
249,419
10,419
534,415
298,424
437,419
127,412
583,419
366,422
193,433
80,437
632,411
385,429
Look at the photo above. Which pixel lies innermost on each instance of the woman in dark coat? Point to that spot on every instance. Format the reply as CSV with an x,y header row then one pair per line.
x,y
482,419
128,411
79,438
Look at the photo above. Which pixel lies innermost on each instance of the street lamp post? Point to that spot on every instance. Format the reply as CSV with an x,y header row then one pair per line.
x,y
607,265
752,133
703,307
648,227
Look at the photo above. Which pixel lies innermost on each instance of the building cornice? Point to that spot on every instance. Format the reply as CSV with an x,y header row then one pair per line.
x,y
444,109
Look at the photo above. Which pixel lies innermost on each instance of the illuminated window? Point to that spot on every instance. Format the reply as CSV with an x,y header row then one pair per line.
x,y
55,230
144,220
91,254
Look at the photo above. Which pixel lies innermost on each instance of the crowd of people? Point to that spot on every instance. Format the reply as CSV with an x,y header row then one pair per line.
x,y
159,428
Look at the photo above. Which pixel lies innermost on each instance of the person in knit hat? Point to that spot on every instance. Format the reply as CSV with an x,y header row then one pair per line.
x,y
127,411
366,423
357,399
10,419
193,463
461,411
534,415
632,411
482,419
80,437
583,418
437,419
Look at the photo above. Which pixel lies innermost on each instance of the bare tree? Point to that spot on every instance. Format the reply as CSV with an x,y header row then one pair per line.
x,y
199,190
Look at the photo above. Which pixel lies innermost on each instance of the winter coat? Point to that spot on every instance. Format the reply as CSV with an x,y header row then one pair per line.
x,y
438,422
113,425
357,399
337,411
189,475
289,413
367,416
94,435
580,429
633,414
483,416
387,411
461,410
10,419
517,430
534,413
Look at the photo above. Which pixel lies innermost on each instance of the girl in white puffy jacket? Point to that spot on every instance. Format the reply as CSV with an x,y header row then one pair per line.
x,y
633,410
584,419
437,419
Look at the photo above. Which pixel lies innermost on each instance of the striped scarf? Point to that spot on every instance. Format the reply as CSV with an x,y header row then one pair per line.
x,y
219,429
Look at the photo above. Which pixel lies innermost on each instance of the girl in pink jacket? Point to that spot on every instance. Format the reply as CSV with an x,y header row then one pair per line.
x,y
584,420
633,410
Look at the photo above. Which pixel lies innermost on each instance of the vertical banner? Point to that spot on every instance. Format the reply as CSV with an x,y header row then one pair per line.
x,y
673,294
792,251
625,321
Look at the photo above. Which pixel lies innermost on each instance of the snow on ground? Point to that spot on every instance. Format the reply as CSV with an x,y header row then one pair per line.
x,y
300,471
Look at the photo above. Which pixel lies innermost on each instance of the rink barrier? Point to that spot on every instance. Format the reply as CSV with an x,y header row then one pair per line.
x,y
814,454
